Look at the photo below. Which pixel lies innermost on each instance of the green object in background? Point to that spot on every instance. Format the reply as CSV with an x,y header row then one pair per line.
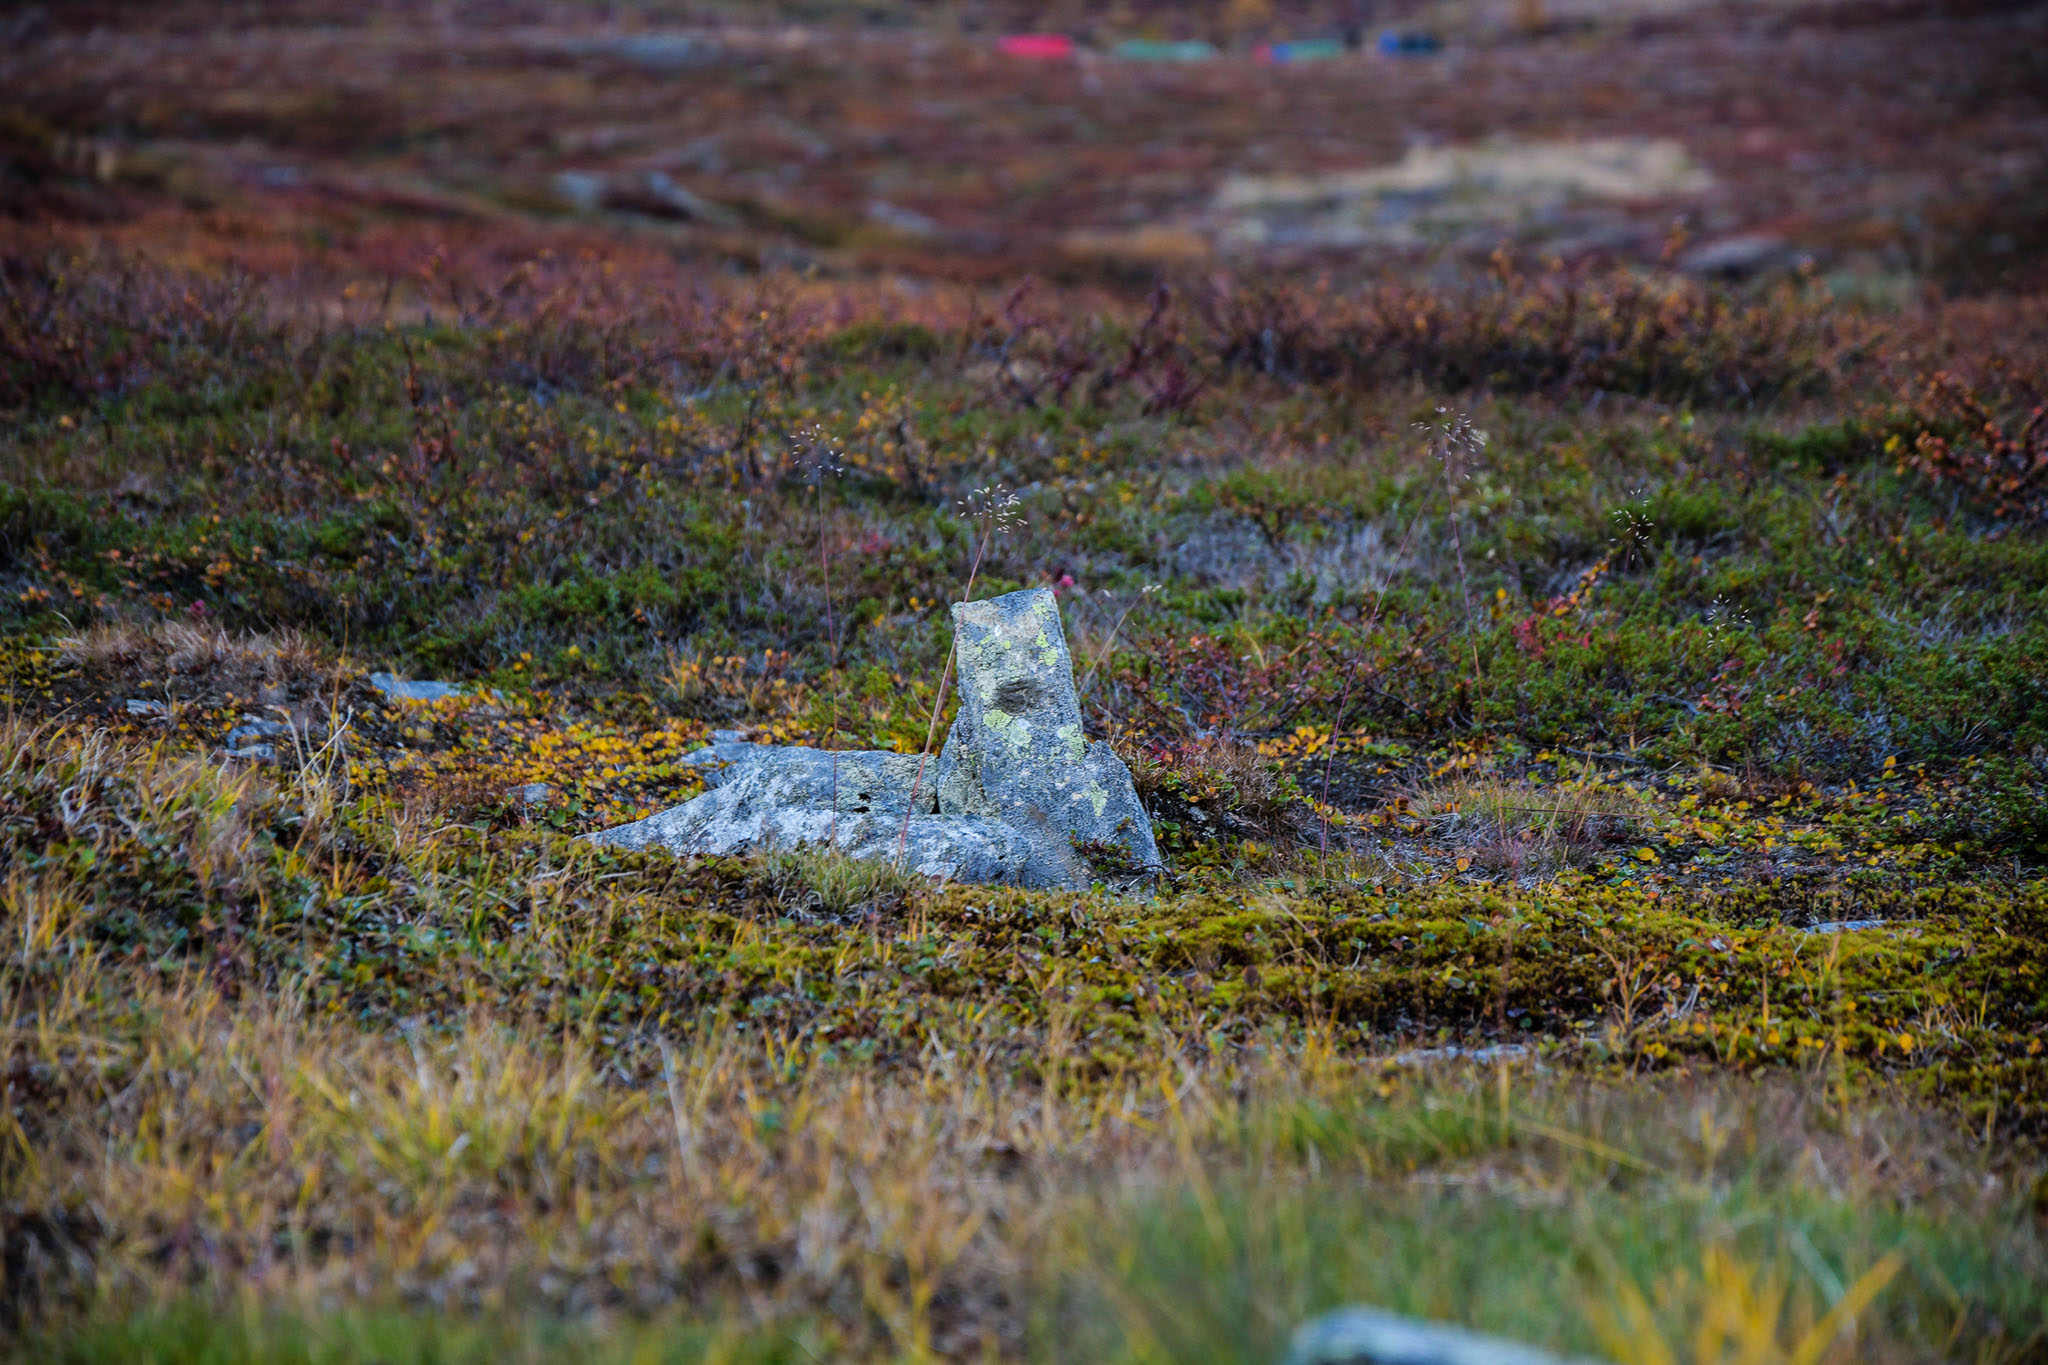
x,y
1161,50
1304,50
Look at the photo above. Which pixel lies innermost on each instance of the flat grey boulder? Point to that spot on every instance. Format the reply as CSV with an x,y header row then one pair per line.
x,y
777,786
1017,752
784,796
717,758
852,781
1017,796
1370,1336
1479,1056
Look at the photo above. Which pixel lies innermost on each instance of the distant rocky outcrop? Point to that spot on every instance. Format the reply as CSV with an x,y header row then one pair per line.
x,y
1017,795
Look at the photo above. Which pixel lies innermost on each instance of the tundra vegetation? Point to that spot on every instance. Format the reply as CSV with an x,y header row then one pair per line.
x,y
1594,718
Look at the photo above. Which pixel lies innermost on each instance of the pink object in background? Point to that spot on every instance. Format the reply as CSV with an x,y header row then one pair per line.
x,y
1038,46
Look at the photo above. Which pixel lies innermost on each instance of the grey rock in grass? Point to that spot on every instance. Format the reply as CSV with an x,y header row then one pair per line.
x,y
252,739
1370,1336
762,797
1017,752
783,797
718,758
406,689
1739,256
853,781
947,847
1483,1056
1017,796
660,52
580,190
954,848
779,796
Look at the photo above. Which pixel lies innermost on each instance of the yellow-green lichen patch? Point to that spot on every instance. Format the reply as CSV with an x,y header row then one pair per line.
x,y
981,658
1071,740
1095,795
1012,730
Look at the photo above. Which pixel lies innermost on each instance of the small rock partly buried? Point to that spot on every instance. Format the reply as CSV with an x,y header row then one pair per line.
x,y
1368,1336
1482,1056
1018,795
252,739
407,689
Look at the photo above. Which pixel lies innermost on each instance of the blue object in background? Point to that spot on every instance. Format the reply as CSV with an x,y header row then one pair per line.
x,y
1396,43
1303,50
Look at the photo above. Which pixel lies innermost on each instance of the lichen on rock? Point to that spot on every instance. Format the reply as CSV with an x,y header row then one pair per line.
x,y
1018,751
1019,795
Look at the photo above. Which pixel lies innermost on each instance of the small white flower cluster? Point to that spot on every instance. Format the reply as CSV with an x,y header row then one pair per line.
x,y
1453,434
816,453
1723,618
1633,524
993,508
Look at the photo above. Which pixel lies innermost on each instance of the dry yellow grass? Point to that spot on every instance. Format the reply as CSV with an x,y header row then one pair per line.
x,y
181,1140
1518,825
196,647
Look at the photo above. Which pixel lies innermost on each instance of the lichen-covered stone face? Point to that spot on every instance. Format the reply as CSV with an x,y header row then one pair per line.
x,y
721,759
776,796
855,781
957,848
780,795
1018,753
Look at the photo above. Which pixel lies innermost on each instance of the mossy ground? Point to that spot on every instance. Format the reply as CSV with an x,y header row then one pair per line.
x,y
1685,743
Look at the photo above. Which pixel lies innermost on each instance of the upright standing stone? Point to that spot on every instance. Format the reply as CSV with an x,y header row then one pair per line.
x,y
1017,752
